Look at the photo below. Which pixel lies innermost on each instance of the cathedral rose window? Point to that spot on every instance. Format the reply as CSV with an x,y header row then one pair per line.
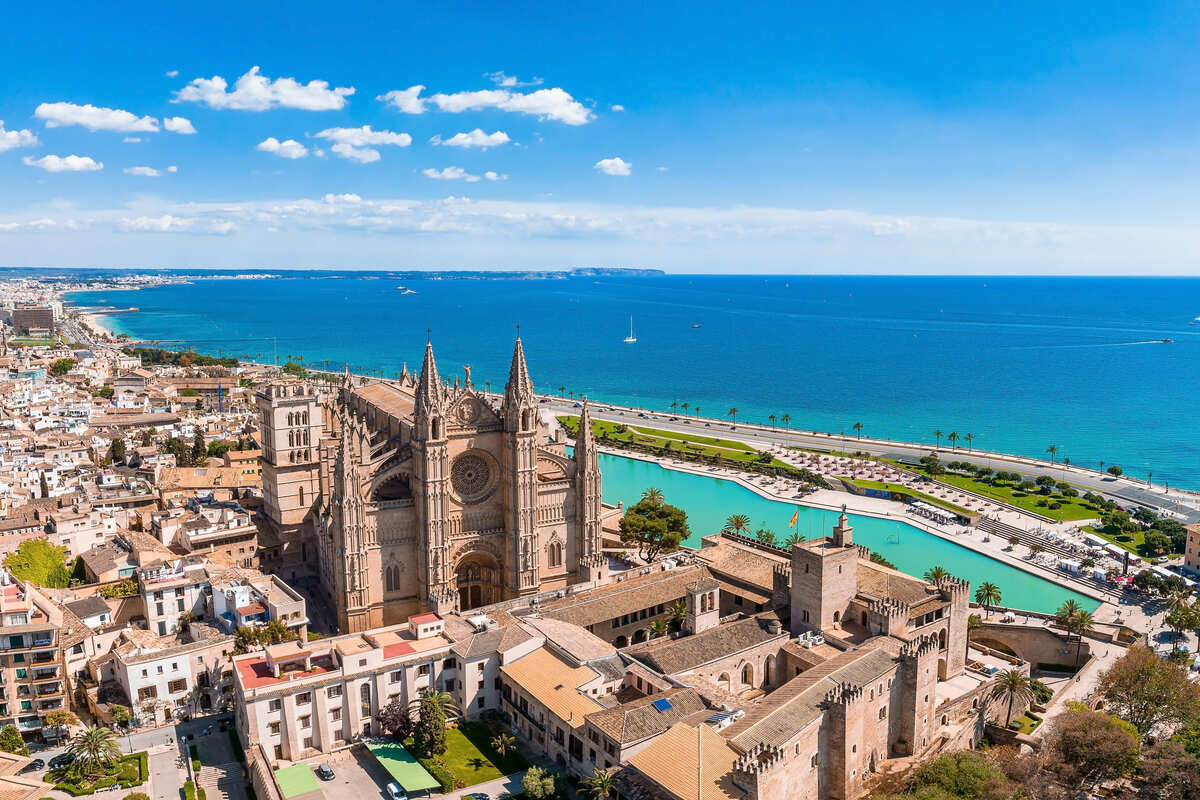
x,y
470,476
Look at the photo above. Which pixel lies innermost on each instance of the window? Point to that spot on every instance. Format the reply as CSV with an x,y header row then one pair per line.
x,y
423,669
306,721
883,712
304,698
179,604
335,714
482,683
396,676
333,692
273,728
274,705
177,686
813,761
160,669
449,663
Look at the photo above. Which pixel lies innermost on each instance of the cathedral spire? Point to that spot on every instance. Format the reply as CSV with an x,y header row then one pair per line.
x,y
519,389
585,439
429,386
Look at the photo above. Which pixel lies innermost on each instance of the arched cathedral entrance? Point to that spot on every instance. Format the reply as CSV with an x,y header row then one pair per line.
x,y
477,578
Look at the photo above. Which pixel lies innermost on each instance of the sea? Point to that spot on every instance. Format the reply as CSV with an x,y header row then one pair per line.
x,y
1020,363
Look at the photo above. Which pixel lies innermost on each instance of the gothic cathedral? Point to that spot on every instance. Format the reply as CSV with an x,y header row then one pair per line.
x,y
417,494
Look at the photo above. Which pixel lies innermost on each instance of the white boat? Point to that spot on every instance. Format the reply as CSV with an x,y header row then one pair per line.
x,y
630,339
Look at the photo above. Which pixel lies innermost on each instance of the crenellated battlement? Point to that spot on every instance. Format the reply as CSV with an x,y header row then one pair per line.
x,y
864,552
844,694
919,647
889,608
759,759
954,588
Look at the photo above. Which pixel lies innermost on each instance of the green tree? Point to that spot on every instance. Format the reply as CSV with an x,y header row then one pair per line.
x,y
199,450
539,784
62,366
59,719
504,743
1115,471
676,613
95,749
1012,688
937,437
653,495
1081,624
598,785
429,736
1158,542
970,437
732,414
988,595
656,629
40,562
952,438
1169,772
1053,451
765,536
147,438
967,774
118,450
1094,745
43,485
1147,690
936,574
11,741
1066,611
737,523
858,428
654,527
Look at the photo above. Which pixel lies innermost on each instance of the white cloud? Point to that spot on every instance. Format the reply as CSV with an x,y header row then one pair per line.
x,y
172,168
617,107
661,169
614,166
42,224
510,81
450,174
357,144
19,138
475,138
554,104
494,176
132,139
407,100
145,172
289,148
65,163
168,223
172,73
349,199
178,125
255,92
94,118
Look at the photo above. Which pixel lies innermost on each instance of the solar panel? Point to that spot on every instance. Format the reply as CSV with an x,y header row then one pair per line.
x,y
662,705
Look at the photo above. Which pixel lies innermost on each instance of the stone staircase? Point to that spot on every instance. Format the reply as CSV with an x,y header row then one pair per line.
x,y
223,781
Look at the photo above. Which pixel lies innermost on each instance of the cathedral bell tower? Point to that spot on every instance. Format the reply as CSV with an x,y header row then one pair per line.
x,y
587,490
519,412
431,465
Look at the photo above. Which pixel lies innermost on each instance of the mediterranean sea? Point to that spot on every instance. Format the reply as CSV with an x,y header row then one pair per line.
x,y
1021,363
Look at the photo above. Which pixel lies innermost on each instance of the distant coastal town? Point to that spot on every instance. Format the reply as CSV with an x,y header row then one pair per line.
x,y
310,571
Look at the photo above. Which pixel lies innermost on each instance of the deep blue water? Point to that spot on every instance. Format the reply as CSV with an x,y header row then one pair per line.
x,y
1022,363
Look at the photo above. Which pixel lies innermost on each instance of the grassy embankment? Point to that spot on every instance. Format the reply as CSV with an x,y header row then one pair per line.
x,y
901,489
1069,510
684,443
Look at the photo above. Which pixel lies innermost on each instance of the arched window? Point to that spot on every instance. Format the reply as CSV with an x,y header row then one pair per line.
x,y
837,616
726,681
301,495
291,438
304,418
555,555
748,675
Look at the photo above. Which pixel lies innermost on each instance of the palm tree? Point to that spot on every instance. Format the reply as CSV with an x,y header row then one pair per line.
x,y
653,495
449,707
970,437
94,749
1012,686
656,629
503,743
952,437
1053,451
772,419
598,785
1149,478
1066,611
732,414
1081,623
676,612
685,407
937,437
738,523
696,410
936,574
1013,541
787,420
858,428
561,391
674,405
1034,549
1102,466
988,595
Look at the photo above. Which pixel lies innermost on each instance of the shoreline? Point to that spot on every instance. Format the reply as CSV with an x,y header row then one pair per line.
x,y
854,504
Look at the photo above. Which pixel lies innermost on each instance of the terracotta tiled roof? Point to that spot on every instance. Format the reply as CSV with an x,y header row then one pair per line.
x,y
626,597
691,763
555,684
671,656
648,716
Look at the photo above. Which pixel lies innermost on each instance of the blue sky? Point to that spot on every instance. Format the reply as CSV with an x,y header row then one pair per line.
x,y
698,137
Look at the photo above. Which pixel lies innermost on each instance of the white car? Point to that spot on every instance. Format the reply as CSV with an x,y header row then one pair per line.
x,y
395,792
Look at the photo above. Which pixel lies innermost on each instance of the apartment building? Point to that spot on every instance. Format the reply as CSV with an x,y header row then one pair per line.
x,y
31,659
299,699
204,524
250,600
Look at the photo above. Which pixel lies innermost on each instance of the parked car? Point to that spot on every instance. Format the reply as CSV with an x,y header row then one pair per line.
x,y
325,772
396,792
61,761
35,765
477,796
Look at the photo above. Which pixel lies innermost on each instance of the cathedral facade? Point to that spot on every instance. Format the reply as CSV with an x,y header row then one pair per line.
x,y
419,494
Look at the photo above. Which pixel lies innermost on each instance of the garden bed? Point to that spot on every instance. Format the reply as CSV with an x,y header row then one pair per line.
x,y
127,772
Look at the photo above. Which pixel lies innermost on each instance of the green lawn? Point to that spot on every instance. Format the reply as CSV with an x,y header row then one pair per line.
x,y
1133,541
896,487
1028,724
470,756
1072,508
681,442
27,342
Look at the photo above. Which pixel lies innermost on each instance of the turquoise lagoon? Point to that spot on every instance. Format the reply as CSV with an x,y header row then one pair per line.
x,y
708,501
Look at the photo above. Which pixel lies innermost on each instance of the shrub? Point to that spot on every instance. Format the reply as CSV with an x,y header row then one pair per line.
x,y
236,744
195,766
137,796
189,790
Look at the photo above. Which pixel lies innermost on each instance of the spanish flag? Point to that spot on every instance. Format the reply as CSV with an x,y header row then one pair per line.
x,y
795,516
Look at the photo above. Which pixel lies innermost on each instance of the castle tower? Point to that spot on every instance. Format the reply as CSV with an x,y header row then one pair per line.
x,y
846,729
519,412
587,488
918,694
761,771
958,592
824,579
843,534
702,599
290,433
432,473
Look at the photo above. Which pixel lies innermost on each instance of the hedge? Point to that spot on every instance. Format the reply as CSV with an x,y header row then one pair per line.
x,y
236,743
132,771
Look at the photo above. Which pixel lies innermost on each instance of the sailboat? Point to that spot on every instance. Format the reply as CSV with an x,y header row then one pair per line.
x,y
630,339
